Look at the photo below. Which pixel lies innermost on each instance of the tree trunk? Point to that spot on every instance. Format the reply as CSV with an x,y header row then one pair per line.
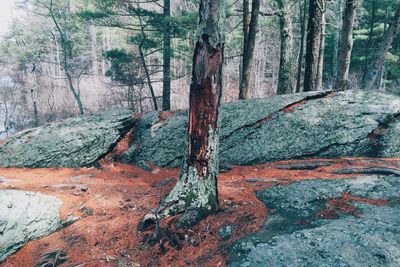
x,y
65,65
285,65
248,52
166,103
303,16
146,72
313,43
346,45
369,42
381,83
320,72
336,42
385,45
195,193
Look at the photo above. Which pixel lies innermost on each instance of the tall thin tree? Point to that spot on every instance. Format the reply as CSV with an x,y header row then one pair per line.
x,y
285,85
303,26
346,46
314,30
166,95
248,51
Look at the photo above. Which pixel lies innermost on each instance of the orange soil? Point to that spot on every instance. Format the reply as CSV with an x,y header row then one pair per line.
x,y
119,195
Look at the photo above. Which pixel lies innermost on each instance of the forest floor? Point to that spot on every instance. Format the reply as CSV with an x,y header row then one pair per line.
x,y
110,201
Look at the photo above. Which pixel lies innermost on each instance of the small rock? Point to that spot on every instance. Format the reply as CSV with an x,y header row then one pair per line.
x,y
225,232
83,188
143,165
10,205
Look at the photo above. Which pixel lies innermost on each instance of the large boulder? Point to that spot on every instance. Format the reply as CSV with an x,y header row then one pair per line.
x,y
296,233
306,125
319,124
73,142
25,216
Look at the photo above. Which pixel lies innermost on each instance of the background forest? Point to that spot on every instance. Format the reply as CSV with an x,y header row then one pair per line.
x,y
62,58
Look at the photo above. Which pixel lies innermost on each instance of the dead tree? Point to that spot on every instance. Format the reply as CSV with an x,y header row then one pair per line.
x,y
195,194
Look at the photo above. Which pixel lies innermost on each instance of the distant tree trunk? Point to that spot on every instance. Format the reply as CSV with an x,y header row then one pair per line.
x,y
314,30
382,72
167,57
346,46
320,71
303,22
385,45
146,72
369,42
336,41
195,194
248,51
93,42
145,68
64,50
285,65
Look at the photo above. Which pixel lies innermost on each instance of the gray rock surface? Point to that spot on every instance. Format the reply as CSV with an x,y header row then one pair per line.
x,y
306,125
319,124
294,235
69,143
25,216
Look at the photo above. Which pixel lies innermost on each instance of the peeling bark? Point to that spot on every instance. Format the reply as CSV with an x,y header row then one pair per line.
x,y
195,194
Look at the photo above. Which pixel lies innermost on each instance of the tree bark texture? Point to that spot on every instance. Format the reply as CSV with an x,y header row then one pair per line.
x,y
285,65
346,46
166,96
314,30
321,52
248,52
303,26
195,193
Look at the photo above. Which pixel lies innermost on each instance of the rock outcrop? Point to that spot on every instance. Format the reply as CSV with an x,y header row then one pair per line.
x,y
319,124
307,125
305,228
25,216
69,143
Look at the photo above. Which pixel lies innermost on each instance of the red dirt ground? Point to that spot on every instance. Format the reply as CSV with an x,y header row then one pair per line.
x,y
119,195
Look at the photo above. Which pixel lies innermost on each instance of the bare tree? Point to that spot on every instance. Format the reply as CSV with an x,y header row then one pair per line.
x,y
65,50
